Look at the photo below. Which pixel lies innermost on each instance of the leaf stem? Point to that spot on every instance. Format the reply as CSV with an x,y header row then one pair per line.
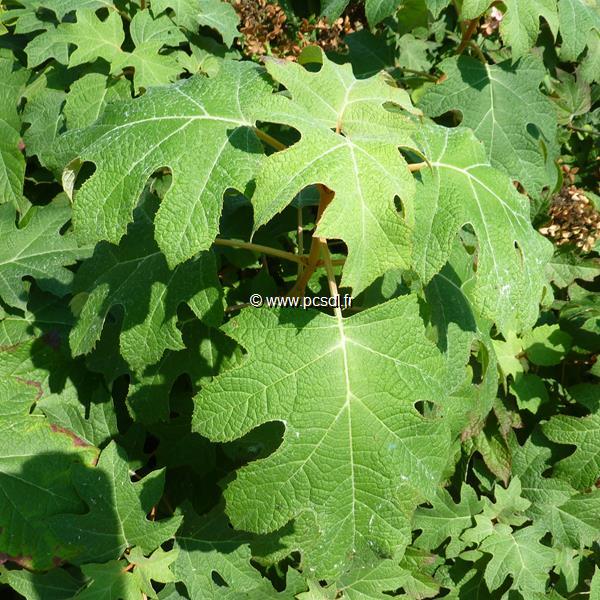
x,y
270,140
333,288
326,196
301,259
581,130
468,33
300,235
423,74
417,166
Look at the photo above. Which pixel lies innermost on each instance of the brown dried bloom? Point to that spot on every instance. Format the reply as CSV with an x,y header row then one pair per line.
x,y
573,218
266,31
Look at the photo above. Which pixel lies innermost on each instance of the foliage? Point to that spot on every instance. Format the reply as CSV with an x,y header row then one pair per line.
x,y
163,163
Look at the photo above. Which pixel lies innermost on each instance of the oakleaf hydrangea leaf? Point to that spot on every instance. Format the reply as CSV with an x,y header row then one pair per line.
x,y
109,580
12,162
208,544
446,519
56,584
206,352
580,27
503,105
132,140
520,555
462,188
190,14
36,463
582,468
376,10
520,24
116,519
349,142
530,461
95,38
135,276
354,447
37,250
88,97
156,567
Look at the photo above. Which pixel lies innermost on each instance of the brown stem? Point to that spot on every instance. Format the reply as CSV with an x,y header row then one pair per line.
x,y
478,51
326,196
470,30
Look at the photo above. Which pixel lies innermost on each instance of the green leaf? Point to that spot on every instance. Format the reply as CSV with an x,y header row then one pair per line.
x,y
57,584
546,345
43,113
135,276
519,555
349,142
155,567
133,140
530,391
108,581
577,20
207,352
376,10
364,582
520,25
37,250
461,188
12,162
116,519
365,373
89,95
36,463
85,408
189,14
595,585
509,505
564,268
503,105
208,544
413,53
582,468
446,519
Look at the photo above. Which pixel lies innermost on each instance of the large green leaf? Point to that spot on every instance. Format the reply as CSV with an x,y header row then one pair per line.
x,y
582,468
349,142
133,140
12,163
136,277
355,450
520,555
376,10
191,14
207,544
37,250
504,106
116,518
446,519
520,25
36,464
579,25
95,38
461,188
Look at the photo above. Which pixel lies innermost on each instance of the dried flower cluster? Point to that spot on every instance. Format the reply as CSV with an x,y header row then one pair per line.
x,y
573,219
267,31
